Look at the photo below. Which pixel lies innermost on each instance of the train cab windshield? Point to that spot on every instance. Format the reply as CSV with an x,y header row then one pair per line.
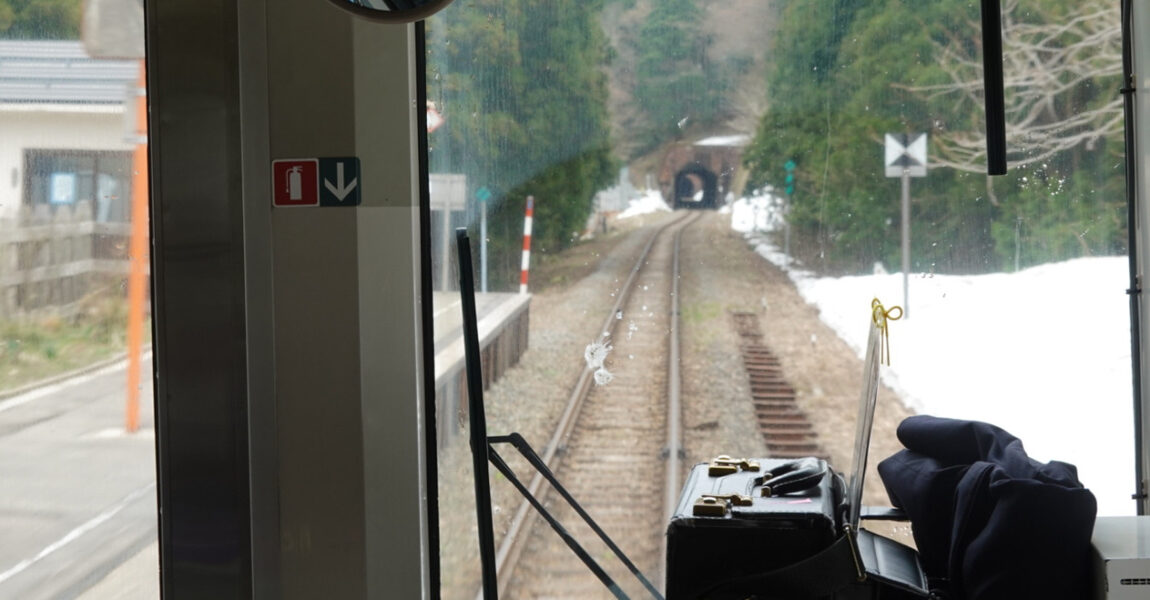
x,y
762,171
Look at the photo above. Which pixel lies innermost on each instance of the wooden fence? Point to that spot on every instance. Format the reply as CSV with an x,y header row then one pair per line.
x,y
53,257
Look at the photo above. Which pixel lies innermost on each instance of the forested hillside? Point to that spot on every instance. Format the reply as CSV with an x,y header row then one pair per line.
x,y
843,73
549,99
839,75
683,68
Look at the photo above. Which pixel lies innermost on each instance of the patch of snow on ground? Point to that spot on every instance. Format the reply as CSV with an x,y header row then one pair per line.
x,y
1043,353
757,213
649,202
725,140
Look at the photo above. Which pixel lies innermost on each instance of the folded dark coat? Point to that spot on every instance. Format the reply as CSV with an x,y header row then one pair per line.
x,y
992,521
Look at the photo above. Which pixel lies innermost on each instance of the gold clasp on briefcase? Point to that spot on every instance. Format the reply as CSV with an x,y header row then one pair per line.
x,y
725,465
716,505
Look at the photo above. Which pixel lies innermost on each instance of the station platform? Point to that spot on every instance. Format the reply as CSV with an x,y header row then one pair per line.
x,y
503,338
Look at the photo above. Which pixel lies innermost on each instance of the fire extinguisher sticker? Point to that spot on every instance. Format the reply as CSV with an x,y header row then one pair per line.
x,y
295,182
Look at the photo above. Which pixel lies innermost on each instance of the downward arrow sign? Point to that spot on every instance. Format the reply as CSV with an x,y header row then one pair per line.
x,y
338,189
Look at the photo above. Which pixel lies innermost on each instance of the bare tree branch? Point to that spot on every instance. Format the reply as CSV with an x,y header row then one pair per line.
x,y
1051,66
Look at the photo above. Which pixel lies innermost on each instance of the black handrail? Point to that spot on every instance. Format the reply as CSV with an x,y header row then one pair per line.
x,y
1135,289
482,451
993,87
533,457
569,539
478,422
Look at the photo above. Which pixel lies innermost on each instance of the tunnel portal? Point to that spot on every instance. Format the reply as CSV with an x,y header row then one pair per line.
x,y
701,174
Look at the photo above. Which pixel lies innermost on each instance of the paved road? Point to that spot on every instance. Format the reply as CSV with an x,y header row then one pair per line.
x,y
77,494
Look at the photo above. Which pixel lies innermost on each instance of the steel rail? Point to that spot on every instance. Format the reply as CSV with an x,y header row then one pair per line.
x,y
674,447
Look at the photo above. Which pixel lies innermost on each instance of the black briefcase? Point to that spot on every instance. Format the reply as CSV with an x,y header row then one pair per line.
x,y
771,528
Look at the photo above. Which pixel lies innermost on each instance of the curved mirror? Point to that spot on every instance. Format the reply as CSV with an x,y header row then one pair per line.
x,y
393,11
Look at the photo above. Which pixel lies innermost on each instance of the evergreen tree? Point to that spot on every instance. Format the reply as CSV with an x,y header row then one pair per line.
x,y
522,88
677,83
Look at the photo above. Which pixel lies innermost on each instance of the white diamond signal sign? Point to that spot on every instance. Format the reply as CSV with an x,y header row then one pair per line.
x,y
905,153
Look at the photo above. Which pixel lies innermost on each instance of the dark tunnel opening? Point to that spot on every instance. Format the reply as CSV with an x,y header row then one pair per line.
x,y
696,187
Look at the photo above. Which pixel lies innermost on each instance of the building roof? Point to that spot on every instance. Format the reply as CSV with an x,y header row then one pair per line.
x,y
61,72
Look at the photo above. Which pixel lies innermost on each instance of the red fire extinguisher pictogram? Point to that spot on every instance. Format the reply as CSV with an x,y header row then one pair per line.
x,y
295,182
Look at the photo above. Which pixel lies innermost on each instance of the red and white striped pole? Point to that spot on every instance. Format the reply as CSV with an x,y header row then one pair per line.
x,y
526,245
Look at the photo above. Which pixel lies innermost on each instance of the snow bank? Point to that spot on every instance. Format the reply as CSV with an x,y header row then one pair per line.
x,y
1043,353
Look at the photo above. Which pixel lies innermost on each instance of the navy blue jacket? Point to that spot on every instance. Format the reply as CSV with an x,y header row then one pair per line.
x,y
988,518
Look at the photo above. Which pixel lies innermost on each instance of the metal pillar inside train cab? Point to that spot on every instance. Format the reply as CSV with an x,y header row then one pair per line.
x,y
291,450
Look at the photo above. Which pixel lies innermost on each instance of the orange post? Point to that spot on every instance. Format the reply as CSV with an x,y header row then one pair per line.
x,y
137,256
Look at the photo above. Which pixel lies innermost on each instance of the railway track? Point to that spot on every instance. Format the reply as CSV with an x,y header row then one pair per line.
x,y
616,447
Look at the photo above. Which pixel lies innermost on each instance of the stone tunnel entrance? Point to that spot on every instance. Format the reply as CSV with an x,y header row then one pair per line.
x,y
701,174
